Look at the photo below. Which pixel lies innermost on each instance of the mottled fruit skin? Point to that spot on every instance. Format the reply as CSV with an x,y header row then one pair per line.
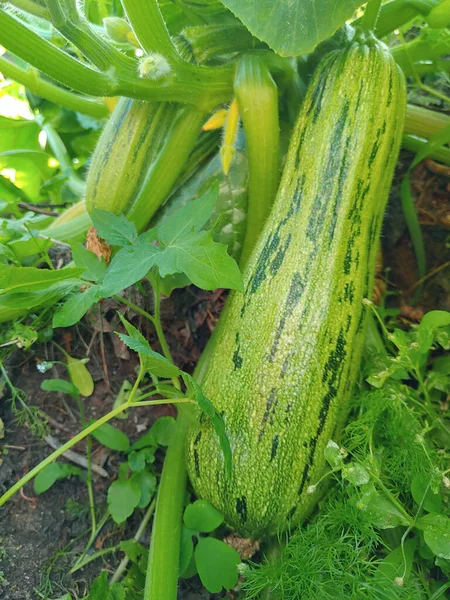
x,y
287,353
139,156
129,143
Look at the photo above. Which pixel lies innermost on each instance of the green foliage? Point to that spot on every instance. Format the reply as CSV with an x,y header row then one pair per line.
x,y
392,464
136,482
213,560
292,28
152,361
51,474
59,385
111,437
102,590
183,247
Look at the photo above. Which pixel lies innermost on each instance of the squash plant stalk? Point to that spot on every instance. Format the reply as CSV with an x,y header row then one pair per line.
x,y
32,8
206,41
416,144
202,86
66,19
150,29
257,96
424,122
31,79
371,15
164,557
49,59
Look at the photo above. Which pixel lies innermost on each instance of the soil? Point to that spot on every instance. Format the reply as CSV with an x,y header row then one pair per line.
x,y
39,535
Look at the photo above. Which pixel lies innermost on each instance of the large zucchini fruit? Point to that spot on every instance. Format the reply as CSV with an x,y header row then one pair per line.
x,y
139,156
285,360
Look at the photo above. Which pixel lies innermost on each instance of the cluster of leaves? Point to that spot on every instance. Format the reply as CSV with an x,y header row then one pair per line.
x,y
213,560
384,531
178,245
136,482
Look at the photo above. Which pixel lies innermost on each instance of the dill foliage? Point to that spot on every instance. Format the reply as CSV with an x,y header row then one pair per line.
x,y
383,530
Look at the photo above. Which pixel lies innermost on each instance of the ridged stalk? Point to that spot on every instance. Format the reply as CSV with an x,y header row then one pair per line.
x,y
424,122
207,41
257,96
416,144
164,557
31,79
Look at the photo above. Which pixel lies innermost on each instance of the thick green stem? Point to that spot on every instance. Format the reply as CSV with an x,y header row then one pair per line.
x,y
257,96
371,14
207,41
424,122
67,20
32,8
31,79
205,87
150,29
396,13
416,144
163,561
49,59
168,165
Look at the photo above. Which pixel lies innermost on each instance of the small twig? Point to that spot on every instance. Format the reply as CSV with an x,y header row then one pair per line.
x,y
74,457
11,447
57,425
38,209
428,275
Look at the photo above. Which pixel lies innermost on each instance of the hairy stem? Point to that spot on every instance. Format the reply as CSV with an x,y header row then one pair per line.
x,y
19,39
163,562
67,20
424,122
371,14
150,29
31,79
257,96
205,87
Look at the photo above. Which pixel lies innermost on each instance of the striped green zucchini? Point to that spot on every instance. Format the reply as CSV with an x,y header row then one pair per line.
x,y
139,156
287,354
